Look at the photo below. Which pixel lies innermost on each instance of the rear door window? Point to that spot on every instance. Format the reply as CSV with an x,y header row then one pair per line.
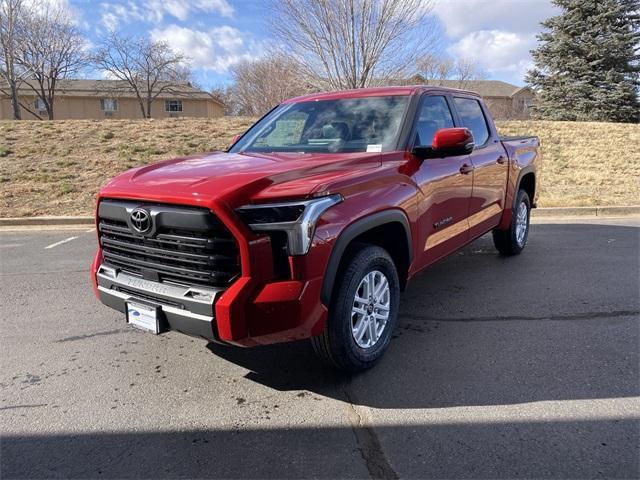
x,y
471,115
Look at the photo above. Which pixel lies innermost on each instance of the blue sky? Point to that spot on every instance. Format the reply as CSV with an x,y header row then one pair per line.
x,y
215,34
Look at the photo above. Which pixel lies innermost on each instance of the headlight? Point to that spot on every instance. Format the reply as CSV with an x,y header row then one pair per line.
x,y
296,219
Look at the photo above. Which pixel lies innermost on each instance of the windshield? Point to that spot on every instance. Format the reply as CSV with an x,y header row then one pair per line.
x,y
368,124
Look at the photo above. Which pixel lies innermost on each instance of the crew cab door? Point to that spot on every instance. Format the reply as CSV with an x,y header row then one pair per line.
x,y
444,187
490,165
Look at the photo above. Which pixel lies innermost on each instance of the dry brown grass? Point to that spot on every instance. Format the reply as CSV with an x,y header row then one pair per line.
x,y
587,163
55,168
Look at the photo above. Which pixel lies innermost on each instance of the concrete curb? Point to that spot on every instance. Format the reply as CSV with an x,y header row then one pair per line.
x,y
27,221
622,211
617,211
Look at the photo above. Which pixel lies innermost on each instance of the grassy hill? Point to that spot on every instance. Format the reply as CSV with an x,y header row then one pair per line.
x,y
585,163
55,168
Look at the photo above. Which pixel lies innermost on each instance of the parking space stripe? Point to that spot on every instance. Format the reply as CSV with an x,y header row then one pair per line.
x,y
59,243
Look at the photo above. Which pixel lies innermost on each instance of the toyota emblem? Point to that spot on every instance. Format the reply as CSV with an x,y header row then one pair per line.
x,y
141,220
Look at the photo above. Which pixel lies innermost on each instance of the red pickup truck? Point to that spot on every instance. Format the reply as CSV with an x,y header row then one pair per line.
x,y
315,219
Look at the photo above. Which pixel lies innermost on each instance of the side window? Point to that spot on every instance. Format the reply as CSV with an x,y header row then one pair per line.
x,y
472,117
434,114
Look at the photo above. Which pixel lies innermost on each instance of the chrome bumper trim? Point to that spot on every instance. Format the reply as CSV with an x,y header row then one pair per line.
x,y
187,309
165,308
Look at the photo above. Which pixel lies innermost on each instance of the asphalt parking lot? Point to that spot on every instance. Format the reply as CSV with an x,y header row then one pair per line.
x,y
500,368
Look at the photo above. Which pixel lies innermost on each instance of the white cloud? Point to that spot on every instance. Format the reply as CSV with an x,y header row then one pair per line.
x,y
461,17
215,49
498,34
499,52
72,13
155,11
106,75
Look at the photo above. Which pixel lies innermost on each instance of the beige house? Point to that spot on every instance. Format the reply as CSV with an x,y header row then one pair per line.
x,y
505,101
99,99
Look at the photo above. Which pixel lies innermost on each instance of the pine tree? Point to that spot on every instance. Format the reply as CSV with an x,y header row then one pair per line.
x,y
587,64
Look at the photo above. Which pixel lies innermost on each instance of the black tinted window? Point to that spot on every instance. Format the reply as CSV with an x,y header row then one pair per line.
x,y
472,117
434,114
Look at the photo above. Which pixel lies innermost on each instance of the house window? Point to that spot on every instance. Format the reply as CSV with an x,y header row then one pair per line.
x,y
39,105
173,105
108,104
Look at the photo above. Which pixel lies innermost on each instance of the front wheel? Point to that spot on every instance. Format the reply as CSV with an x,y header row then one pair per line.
x,y
513,240
363,312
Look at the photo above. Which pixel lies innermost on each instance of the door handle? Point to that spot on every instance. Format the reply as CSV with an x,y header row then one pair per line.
x,y
466,168
501,159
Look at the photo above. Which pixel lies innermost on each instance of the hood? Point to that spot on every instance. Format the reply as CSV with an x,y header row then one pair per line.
x,y
241,177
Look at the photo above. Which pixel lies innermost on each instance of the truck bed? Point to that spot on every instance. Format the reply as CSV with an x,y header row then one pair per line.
x,y
516,145
517,138
524,153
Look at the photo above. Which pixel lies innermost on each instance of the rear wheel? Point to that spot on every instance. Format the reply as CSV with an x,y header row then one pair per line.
x,y
363,312
513,240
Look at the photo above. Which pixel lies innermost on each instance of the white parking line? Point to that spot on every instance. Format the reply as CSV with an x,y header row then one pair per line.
x,y
60,242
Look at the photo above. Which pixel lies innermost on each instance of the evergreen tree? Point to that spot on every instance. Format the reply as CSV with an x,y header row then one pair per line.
x,y
587,64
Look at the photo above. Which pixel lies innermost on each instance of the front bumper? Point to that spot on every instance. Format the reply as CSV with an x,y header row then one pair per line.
x,y
185,309
255,310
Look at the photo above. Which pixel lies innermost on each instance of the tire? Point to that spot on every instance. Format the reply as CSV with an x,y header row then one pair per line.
x,y
337,345
513,240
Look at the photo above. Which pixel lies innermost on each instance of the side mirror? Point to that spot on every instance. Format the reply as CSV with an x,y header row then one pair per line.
x,y
447,142
235,138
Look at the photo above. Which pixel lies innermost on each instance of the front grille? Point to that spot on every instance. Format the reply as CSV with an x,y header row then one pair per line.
x,y
188,246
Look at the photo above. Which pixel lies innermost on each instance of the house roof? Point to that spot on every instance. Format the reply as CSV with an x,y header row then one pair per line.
x,y
116,88
486,88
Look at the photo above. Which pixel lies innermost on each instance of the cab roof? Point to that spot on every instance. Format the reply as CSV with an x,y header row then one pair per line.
x,y
377,92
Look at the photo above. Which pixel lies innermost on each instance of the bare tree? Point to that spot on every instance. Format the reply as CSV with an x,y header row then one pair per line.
x,y
10,13
49,48
467,69
435,69
353,43
224,94
146,67
261,84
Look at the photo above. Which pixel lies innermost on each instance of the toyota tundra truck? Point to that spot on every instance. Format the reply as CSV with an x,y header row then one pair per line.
x,y
314,221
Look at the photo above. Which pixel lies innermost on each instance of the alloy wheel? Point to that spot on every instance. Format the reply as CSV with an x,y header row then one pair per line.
x,y
522,223
370,310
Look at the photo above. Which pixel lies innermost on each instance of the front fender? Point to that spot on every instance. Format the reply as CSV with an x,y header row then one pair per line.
x,y
352,231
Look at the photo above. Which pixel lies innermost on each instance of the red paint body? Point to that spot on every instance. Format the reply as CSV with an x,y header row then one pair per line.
x,y
452,138
472,192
